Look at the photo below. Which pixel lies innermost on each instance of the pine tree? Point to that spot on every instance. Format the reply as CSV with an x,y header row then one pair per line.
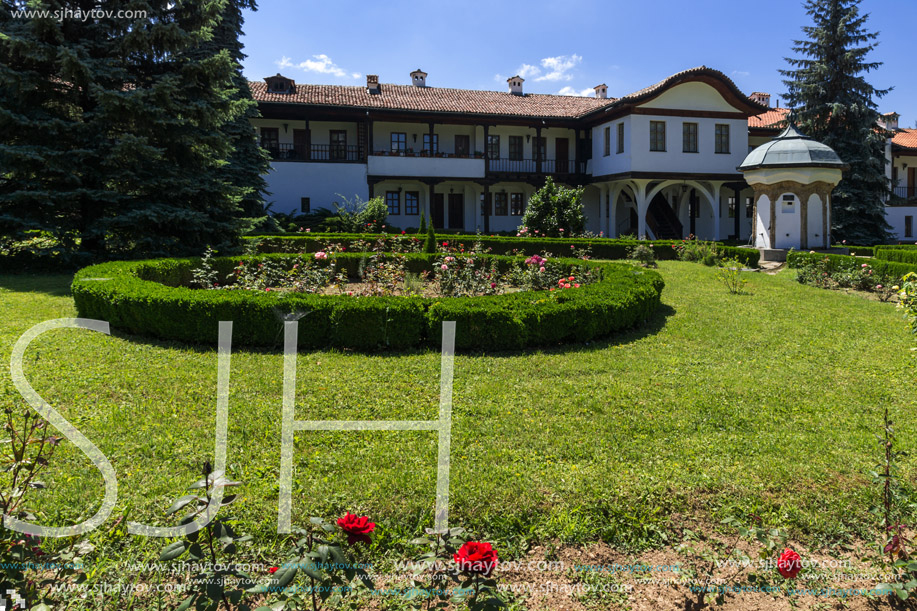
x,y
832,102
423,224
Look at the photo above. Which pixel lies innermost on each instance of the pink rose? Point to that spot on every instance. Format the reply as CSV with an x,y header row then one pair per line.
x,y
444,267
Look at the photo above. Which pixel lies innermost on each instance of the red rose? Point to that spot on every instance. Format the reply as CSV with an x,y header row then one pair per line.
x,y
476,558
273,569
789,564
356,527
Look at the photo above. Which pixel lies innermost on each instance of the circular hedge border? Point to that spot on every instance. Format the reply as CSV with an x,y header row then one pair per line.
x,y
151,298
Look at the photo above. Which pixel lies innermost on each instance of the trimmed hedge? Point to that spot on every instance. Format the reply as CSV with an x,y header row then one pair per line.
x,y
602,248
150,298
888,268
899,255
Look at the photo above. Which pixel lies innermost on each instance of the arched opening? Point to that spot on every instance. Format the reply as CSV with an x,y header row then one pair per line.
x,y
662,220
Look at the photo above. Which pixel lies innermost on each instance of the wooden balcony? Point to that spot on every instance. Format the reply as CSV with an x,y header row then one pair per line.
x,y
333,153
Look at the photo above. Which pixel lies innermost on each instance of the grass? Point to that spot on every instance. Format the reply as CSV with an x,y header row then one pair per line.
x,y
764,403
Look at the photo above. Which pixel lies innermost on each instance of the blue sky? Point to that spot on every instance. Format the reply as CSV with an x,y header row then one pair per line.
x,y
559,47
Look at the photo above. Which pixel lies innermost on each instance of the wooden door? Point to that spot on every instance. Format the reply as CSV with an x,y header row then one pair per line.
x,y
911,182
300,144
438,212
462,146
562,155
456,211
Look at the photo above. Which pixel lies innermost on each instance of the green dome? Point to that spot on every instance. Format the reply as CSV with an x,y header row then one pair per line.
x,y
792,149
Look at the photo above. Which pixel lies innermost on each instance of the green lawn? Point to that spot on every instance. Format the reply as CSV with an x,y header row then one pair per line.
x,y
766,403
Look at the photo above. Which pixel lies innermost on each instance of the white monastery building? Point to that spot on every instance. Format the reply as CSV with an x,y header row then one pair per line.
x,y
661,162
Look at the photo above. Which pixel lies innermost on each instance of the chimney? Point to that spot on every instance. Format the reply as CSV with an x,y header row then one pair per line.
x,y
889,121
419,78
761,98
601,91
515,84
372,83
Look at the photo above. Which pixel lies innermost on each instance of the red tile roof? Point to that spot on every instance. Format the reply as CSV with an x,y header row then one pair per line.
x,y
472,101
905,138
775,118
435,99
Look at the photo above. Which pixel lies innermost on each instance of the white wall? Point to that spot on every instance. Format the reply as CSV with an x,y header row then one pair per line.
x,y
425,166
894,215
763,221
614,162
323,183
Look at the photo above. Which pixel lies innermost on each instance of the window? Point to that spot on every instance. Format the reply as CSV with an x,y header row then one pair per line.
x,y
689,137
411,203
516,207
909,226
393,201
607,141
731,212
426,143
657,135
515,148
499,204
788,201
270,139
399,142
487,204
338,144
722,138
462,146
620,138
493,147
304,205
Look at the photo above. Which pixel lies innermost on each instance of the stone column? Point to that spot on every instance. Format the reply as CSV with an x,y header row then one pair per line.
x,y
804,221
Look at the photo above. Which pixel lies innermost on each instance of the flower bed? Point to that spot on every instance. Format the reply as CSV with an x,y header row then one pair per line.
x,y
600,248
153,298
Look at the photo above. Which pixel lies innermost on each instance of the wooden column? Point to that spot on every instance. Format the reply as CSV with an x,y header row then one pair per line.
x,y
772,230
430,129
538,159
369,135
576,153
486,151
487,208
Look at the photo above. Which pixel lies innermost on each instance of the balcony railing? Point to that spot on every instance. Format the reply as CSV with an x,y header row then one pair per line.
x,y
907,193
530,166
317,152
412,153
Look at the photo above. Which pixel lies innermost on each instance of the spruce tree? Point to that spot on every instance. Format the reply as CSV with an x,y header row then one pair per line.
x,y
832,102
248,162
114,132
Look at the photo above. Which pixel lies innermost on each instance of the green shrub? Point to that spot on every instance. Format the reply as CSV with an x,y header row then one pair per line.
x,y
429,243
554,210
833,264
150,298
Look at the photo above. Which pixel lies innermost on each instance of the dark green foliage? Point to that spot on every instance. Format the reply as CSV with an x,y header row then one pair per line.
x,y
114,133
554,210
833,103
150,298
900,255
248,162
423,224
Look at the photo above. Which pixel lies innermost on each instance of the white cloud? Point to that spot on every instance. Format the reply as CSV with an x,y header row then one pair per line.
x,y
740,73
571,91
527,70
321,64
559,67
